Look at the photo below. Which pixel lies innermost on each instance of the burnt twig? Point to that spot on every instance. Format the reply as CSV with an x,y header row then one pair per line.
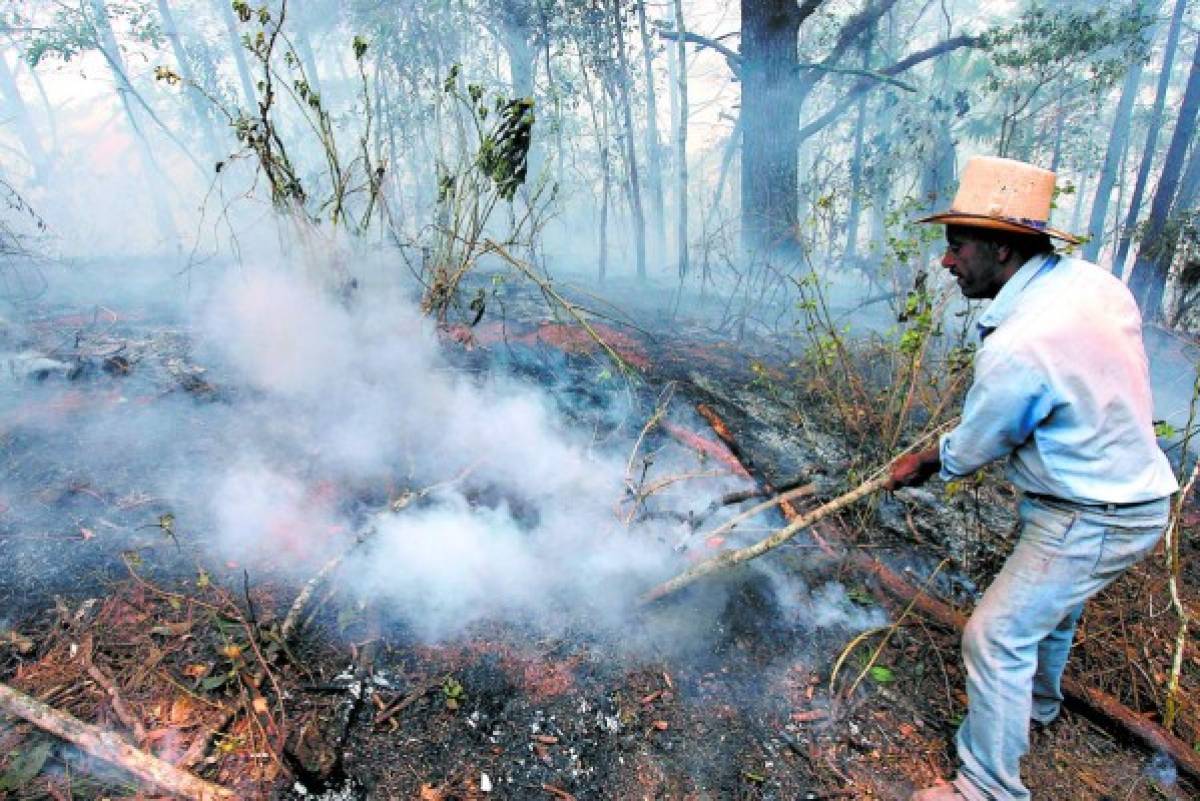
x,y
109,747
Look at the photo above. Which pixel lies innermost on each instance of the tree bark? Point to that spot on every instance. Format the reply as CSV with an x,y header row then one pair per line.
x,y
196,100
770,121
635,189
225,11
1153,126
681,170
653,147
1113,155
1148,278
23,123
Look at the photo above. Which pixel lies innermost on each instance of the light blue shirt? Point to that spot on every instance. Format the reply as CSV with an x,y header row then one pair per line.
x,y
1062,389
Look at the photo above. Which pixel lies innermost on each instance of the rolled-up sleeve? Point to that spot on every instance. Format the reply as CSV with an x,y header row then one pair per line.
x,y
1008,399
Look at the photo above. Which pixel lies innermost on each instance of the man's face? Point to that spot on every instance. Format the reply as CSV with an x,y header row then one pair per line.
x,y
977,264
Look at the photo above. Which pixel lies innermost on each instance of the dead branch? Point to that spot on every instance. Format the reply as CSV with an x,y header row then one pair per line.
x,y
404,703
728,559
660,410
733,522
576,312
110,747
109,685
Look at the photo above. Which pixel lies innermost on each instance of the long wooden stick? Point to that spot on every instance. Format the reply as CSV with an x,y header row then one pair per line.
x,y
728,559
110,747
742,517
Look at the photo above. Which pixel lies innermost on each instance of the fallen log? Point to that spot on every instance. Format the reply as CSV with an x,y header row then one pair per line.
x,y
109,747
728,559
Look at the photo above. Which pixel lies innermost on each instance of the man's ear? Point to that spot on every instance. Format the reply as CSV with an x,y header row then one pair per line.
x,y
1004,253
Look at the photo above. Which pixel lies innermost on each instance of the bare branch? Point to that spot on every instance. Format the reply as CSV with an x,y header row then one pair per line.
x,y
865,85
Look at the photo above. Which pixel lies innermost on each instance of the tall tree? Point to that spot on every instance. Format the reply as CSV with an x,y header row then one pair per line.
x,y
23,123
653,147
516,37
634,184
854,213
1152,129
1114,154
681,168
1148,278
106,42
225,11
770,118
1118,142
196,100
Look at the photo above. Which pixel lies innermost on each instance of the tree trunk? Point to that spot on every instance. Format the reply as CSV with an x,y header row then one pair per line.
x,y
653,146
517,37
770,122
1113,156
23,122
600,128
225,10
197,101
850,253
107,42
681,171
1148,278
1155,122
635,189
308,59
1118,144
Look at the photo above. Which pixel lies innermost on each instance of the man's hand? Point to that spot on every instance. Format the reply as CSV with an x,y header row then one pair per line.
x,y
914,469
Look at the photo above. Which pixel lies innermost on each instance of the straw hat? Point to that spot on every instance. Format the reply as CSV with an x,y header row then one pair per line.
x,y
1003,195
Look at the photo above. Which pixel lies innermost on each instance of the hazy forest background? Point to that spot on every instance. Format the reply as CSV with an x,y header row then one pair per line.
x,y
667,140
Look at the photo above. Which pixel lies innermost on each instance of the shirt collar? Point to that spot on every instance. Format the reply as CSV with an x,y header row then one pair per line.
x,y
1006,300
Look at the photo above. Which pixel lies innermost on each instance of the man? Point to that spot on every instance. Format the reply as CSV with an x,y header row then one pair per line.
x,y
1062,390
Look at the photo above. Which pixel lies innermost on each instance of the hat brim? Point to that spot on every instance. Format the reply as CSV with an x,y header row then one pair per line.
x,y
996,224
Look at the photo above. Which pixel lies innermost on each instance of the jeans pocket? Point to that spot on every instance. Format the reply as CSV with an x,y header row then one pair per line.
x,y
1124,546
1046,523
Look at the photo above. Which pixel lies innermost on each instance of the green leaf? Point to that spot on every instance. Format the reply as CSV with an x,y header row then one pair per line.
x,y
214,682
26,765
881,675
861,596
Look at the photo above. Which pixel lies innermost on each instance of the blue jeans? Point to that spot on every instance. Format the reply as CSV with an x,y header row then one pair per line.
x,y
1016,643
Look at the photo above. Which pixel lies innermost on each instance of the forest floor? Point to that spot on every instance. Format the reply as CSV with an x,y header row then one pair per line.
x,y
185,657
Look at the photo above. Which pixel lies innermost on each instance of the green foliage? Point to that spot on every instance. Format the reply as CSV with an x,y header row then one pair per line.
x,y
26,764
1056,37
881,675
73,29
1051,57
490,141
453,693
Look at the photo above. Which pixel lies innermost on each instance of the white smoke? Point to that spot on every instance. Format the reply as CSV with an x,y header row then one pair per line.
x,y
521,519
